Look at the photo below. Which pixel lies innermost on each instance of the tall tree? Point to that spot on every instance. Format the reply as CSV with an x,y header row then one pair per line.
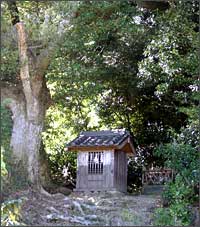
x,y
134,64
25,90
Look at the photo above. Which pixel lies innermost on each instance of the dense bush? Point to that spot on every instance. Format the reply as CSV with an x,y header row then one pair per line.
x,y
183,159
180,194
134,173
63,168
10,213
178,213
10,209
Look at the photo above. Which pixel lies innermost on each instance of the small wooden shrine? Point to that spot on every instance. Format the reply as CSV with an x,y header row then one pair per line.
x,y
102,160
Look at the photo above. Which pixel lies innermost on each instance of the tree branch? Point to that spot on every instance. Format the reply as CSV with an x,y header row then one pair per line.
x,y
44,59
23,56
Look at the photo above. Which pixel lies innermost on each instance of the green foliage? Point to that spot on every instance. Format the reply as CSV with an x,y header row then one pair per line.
x,y
10,210
179,196
59,130
182,158
4,171
118,66
63,167
43,22
177,215
10,213
6,125
83,71
122,64
130,68
134,173
169,69
177,191
190,134
10,64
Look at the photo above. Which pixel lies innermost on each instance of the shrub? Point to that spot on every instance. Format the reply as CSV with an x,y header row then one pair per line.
x,y
10,213
180,194
63,167
175,215
10,209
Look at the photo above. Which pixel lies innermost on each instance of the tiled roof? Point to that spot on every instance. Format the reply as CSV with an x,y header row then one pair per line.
x,y
100,138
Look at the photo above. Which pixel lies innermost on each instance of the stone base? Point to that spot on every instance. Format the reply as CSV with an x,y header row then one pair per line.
x,y
152,189
110,190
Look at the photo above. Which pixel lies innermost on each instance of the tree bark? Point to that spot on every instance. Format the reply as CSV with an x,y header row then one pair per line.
x,y
28,103
26,136
25,144
28,124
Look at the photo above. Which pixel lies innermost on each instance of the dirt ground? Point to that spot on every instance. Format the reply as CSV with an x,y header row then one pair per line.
x,y
91,209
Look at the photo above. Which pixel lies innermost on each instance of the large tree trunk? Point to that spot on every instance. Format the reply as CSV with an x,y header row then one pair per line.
x,y
29,123
28,103
25,144
28,159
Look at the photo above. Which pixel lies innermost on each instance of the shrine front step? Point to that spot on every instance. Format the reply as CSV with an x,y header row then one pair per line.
x,y
152,189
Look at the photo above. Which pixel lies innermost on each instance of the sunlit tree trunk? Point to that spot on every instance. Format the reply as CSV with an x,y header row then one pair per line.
x,y
28,103
26,136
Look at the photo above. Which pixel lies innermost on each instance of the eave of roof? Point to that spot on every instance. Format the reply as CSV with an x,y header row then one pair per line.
x,y
126,145
102,140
